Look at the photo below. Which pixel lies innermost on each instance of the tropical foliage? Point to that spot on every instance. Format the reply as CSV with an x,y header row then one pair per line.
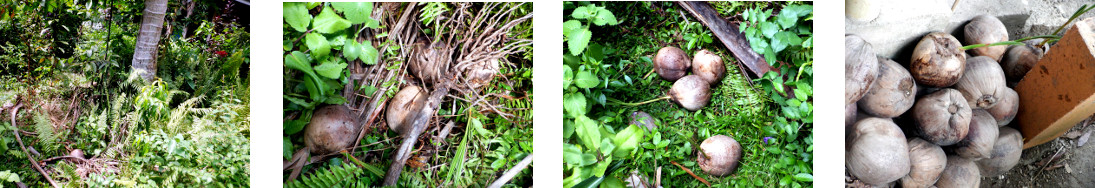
x,y
67,64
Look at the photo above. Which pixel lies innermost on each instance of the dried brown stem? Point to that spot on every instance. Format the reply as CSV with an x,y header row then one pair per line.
x,y
15,129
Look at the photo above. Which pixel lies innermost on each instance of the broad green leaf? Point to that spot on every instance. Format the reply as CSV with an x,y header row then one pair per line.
x,y
585,79
575,104
329,22
286,147
351,50
583,12
612,182
578,40
789,37
589,131
312,5
804,177
798,10
604,17
318,45
607,147
571,26
356,12
478,127
368,53
331,69
335,99
371,23
768,29
627,141
296,15
298,101
574,156
317,90
338,40
299,61
568,76
787,19
602,167
8,176
778,44
568,129
294,126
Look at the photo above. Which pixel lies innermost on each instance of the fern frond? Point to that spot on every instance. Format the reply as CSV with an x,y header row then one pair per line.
x,y
347,175
181,112
44,127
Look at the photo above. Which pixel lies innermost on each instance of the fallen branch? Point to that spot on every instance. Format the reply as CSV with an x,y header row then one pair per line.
x,y
417,127
15,129
690,173
512,172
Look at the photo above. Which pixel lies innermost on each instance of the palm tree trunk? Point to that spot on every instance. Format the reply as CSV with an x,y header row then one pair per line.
x,y
148,39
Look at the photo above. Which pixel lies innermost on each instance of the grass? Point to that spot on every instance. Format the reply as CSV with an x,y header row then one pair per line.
x,y
738,109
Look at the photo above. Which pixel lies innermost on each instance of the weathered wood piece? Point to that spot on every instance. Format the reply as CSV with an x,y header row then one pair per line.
x,y
729,36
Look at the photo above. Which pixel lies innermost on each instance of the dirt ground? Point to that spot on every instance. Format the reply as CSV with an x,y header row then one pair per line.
x,y
1074,168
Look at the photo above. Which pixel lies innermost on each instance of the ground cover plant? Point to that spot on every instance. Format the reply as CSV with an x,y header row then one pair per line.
x,y
613,140
85,107
407,94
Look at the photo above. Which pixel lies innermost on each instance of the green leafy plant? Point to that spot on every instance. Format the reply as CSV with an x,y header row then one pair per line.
x,y
786,41
324,73
597,145
577,34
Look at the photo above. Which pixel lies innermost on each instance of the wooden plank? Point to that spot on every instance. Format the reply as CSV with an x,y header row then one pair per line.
x,y
729,36
1059,91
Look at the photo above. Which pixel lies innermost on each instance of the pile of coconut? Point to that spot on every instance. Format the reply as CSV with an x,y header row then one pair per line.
x,y
718,155
939,120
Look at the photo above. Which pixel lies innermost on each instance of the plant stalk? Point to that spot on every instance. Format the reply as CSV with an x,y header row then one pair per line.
x,y
614,101
1013,42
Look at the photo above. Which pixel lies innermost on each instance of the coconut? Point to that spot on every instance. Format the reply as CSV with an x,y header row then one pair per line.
x,y
983,82
893,92
332,128
862,10
1005,153
642,119
960,172
691,92
671,63
927,161
985,29
708,66
937,60
1018,60
719,155
943,117
980,138
404,106
860,68
849,115
878,153
481,73
428,65
1005,109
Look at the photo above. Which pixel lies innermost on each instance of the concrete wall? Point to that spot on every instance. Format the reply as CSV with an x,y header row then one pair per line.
x,y
900,24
